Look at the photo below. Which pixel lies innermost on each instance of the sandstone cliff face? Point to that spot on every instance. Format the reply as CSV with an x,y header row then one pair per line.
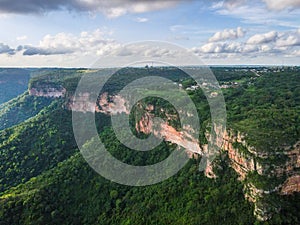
x,y
116,105
46,91
105,104
183,138
292,183
240,162
247,160
244,160
82,102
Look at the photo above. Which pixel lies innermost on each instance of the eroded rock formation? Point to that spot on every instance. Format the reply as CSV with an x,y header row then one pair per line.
x,y
47,91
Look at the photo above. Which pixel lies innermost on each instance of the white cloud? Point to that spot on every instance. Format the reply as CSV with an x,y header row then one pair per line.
x,y
263,38
141,20
146,6
227,34
289,39
64,43
270,44
265,48
280,40
66,49
212,48
93,43
233,47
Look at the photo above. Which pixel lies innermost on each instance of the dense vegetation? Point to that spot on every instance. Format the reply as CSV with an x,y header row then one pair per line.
x,y
35,145
267,109
44,179
20,109
72,193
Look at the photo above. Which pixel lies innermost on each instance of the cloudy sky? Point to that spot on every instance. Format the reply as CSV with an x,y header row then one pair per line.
x,y
76,33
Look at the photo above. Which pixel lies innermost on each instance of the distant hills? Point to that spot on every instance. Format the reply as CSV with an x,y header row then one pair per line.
x,y
13,82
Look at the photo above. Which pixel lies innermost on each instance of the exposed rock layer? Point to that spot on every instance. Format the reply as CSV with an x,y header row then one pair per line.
x,y
51,92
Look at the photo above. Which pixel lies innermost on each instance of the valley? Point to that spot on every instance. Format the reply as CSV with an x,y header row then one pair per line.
x,y
253,180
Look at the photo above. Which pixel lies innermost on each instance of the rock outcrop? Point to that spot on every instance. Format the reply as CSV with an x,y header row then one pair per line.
x,y
292,167
82,102
48,91
183,138
246,160
292,184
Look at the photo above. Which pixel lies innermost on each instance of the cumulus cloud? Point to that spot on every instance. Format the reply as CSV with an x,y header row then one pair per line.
x,y
227,34
211,48
87,46
90,43
64,43
263,38
5,49
234,47
114,8
268,44
289,39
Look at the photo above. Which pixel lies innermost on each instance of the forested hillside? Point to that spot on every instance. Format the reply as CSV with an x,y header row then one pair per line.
x,y
72,193
45,180
20,109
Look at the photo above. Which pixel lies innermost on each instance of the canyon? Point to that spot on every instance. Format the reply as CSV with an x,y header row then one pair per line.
x,y
244,159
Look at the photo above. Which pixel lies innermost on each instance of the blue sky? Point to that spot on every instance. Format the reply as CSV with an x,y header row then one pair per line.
x,y
75,33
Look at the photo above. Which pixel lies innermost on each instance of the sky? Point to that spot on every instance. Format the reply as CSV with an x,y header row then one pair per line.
x,y
77,33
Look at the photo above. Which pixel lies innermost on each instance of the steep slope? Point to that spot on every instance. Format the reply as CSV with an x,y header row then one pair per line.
x,y
21,108
72,193
262,138
35,145
264,118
